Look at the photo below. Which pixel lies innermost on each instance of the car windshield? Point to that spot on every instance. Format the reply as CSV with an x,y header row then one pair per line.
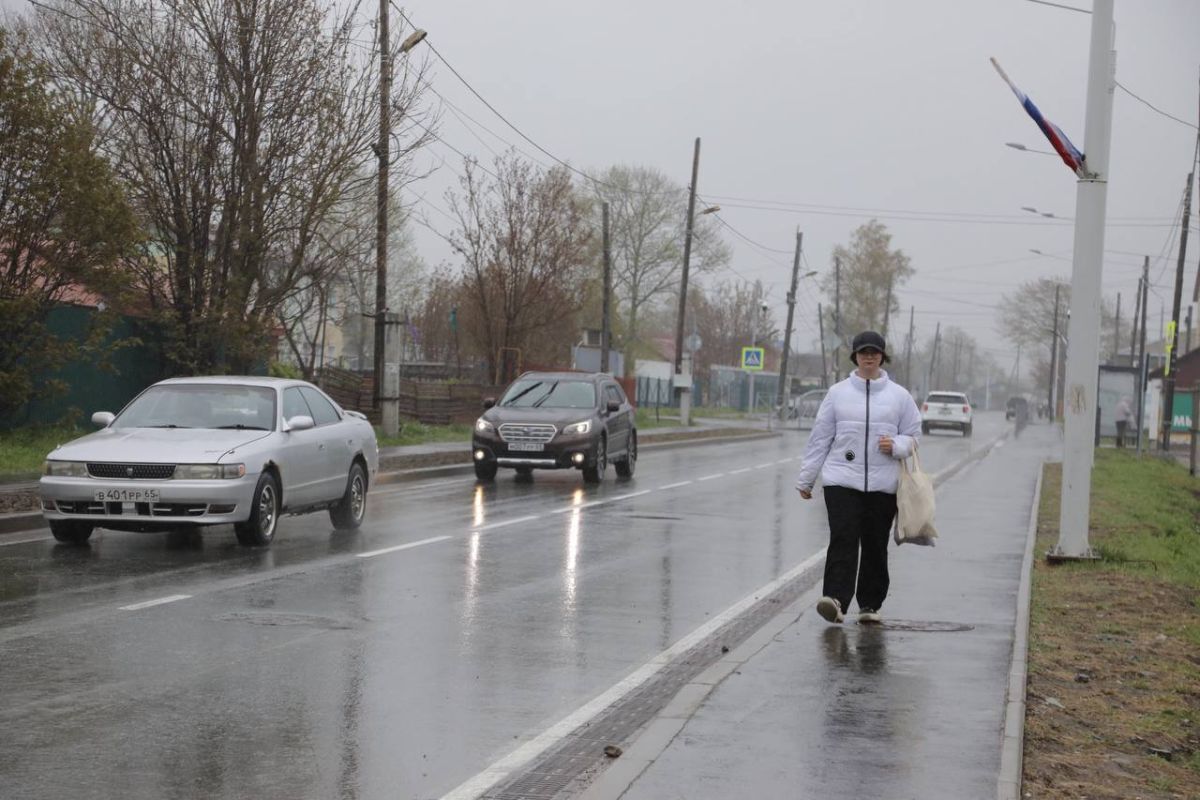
x,y
206,405
539,393
946,398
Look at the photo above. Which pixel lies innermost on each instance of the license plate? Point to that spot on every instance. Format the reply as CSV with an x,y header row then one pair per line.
x,y
127,495
527,447
947,411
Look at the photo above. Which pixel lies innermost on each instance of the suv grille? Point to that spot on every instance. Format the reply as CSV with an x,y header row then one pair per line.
x,y
539,433
150,472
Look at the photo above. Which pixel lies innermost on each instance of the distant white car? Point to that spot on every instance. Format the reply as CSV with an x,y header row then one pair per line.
x,y
211,451
947,410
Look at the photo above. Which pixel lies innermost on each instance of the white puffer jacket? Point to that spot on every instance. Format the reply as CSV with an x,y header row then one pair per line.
x,y
844,443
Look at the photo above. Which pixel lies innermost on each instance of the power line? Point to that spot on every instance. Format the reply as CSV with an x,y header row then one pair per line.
x,y
1153,108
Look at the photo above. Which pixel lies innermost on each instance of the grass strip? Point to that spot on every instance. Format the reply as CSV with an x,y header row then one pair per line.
x,y
1113,703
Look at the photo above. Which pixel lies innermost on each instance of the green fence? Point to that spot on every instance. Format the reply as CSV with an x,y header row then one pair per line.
x,y
90,386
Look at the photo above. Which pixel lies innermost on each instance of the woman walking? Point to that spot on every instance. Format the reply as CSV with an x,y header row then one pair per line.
x,y
866,424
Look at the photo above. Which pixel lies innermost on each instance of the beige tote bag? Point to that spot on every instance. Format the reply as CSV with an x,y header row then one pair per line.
x,y
914,504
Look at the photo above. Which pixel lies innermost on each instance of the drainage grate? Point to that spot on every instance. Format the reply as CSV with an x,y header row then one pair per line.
x,y
580,754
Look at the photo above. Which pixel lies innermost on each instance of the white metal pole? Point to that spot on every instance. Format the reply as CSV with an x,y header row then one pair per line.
x,y
1083,327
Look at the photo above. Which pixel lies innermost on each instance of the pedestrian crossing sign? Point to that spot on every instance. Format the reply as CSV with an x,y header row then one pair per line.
x,y
752,358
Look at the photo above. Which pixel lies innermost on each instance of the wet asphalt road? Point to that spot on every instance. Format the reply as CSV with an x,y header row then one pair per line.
x,y
398,661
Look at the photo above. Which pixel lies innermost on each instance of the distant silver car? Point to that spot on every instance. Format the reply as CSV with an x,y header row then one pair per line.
x,y
212,451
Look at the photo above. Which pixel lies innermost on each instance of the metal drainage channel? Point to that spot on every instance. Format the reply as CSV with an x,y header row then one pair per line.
x,y
574,762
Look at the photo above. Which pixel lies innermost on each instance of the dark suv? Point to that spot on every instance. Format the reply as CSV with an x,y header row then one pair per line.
x,y
557,420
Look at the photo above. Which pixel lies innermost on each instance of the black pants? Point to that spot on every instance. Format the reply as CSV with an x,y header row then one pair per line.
x,y
1121,426
858,521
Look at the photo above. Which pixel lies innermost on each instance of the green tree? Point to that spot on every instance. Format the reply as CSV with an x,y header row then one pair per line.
x,y
871,272
64,224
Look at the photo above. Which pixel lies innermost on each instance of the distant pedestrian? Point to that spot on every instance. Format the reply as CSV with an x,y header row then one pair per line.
x,y
866,424
1122,414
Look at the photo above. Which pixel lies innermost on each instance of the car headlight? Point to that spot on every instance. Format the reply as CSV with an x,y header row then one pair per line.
x,y
209,472
483,426
65,469
578,428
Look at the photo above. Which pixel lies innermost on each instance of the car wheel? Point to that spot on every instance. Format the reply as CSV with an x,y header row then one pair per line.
x,y
485,470
70,531
924,427
967,429
626,465
348,514
594,473
259,530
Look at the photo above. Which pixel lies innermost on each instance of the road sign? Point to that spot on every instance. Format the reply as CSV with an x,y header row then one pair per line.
x,y
752,358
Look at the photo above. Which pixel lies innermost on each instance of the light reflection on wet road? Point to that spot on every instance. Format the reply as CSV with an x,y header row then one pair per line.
x,y
396,661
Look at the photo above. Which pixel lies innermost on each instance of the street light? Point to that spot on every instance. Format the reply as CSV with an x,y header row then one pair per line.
x,y
1024,149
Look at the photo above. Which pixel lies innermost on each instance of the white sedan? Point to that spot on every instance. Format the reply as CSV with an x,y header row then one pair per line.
x,y
211,451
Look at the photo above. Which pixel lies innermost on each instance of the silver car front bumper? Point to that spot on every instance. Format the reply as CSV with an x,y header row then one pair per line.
x,y
131,502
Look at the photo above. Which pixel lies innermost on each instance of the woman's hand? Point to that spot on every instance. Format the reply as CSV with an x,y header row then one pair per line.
x,y
806,494
885,445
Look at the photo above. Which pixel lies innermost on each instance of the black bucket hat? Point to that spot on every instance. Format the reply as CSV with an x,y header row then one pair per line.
x,y
868,340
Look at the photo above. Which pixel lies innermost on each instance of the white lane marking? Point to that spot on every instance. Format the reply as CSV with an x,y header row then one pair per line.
x,y
371,553
738,471
783,461
27,541
711,477
160,601
594,503
674,485
764,466
474,787
507,522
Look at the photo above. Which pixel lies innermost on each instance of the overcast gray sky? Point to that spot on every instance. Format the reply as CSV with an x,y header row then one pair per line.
x,y
842,110
845,104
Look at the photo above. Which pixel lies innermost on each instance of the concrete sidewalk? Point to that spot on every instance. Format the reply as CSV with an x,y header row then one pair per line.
x,y
912,709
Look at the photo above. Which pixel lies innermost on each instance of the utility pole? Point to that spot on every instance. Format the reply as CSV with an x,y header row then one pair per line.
x,y
1137,307
1187,347
1168,410
1117,332
837,311
821,331
933,357
783,396
381,199
685,391
908,343
605,328
1052,409
1083,323
1141,361
887,309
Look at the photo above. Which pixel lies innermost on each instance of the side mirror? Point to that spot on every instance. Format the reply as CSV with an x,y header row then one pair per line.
x,y
102,419
300,422
613,406
488,402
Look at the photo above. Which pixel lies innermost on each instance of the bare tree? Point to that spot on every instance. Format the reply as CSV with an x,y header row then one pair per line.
x,y
647,222
526,239
237,126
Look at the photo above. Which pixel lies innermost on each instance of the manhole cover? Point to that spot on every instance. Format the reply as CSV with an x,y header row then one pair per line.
x,y
928,627
284,619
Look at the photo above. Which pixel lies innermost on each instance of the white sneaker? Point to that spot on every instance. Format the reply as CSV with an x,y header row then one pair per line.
x,y
869,616
830,609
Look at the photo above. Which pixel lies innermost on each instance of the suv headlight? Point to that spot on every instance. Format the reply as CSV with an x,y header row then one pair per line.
x,y
483,426
578,428
209,472
65,469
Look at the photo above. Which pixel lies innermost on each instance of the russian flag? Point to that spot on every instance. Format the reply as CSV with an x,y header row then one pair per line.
x,y
1069,154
